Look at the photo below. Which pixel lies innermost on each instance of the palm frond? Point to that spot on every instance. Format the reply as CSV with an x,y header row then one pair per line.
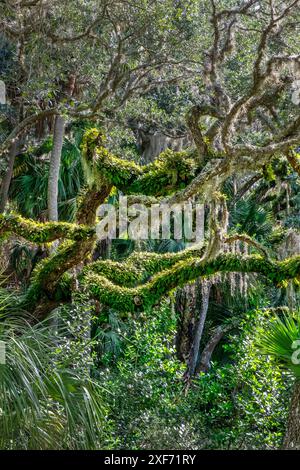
x,y
30,183
43,404
282,340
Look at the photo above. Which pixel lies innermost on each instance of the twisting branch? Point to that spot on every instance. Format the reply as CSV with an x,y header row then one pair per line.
x,y
217,335
42,232
261,75
245,188
27,122
144,296
193,117
250,241
140,266
167,173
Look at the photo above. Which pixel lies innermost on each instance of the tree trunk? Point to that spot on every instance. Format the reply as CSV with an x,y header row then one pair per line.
x,y
185,307
292,436
8,176
206,355
191,305
58,136
194,352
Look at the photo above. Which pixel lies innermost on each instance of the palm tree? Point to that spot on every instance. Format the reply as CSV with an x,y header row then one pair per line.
x,y
4,188
282,340
45,402
29,187
55,160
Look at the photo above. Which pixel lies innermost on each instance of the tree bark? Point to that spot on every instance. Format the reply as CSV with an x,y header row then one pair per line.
x,y
8,176
58,137
204,363
192,305
194,352
185,306
292,436
73,254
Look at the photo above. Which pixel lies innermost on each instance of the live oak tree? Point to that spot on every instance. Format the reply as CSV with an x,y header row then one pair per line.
x,y
89,59
240,127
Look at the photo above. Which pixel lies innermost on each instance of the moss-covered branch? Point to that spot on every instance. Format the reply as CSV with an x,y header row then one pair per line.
x,y
140,266
48,276
294,161
131,299
169,172
249,241
145,277
42,232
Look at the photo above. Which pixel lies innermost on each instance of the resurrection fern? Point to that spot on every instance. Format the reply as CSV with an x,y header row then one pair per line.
x,y
42,232
170,171
140,266
183,272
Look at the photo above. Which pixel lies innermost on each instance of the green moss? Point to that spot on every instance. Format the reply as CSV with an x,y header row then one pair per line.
x,y
169,172
92,138
114,272
116,171
146,295
144,278
49,273
140,266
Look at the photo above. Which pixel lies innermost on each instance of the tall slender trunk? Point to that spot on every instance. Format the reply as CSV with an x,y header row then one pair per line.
x,y
54,168
58,137
292,436
8,176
